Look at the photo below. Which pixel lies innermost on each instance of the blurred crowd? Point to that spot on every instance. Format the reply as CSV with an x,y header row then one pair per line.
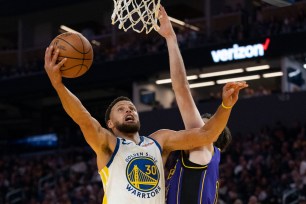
x,y
257,168
66,177
261,167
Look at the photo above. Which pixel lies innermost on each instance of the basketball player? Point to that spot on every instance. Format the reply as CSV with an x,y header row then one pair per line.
x,y
130,165
194,179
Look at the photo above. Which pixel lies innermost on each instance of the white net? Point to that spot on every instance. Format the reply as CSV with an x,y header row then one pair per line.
x,y
140,15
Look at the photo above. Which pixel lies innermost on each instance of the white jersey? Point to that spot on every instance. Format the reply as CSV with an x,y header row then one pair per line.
x,y
134,174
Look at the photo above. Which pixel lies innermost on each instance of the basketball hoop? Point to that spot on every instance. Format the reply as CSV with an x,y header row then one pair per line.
x,y
140,15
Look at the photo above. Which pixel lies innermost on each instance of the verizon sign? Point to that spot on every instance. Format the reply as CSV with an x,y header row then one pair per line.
x,y
240,52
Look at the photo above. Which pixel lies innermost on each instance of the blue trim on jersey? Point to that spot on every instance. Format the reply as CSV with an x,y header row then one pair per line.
x,y
141,140
157,144
114,153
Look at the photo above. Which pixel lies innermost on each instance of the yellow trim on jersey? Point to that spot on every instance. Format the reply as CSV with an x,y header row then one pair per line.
x,y
202,187
217,193
171,172
104,200
178,187
104,174
191,167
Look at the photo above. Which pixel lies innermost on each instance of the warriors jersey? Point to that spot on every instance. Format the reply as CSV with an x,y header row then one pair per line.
x,y
192,183
134,173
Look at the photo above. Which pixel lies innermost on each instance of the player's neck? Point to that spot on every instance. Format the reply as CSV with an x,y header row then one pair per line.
x,y
129,136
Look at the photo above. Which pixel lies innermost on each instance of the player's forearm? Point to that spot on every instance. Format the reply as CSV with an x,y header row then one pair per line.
x,y
72,104
177,67
189,112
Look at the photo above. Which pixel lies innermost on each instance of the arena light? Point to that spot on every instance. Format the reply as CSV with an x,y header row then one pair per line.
x,y
245,78
182,23
174,20
257,68
202,84
304,66
167,81
67,29
97,43
163,81
272,74
220,73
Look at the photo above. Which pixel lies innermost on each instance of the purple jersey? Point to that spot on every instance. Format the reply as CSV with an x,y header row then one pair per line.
x,y
192,183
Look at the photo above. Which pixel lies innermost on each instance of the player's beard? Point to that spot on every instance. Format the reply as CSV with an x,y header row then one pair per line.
x,y
128,128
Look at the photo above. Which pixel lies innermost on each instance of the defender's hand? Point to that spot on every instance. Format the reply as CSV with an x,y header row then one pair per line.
x,y
165,29
231,92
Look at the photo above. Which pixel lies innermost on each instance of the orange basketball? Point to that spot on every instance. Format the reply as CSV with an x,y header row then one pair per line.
x,y
78,51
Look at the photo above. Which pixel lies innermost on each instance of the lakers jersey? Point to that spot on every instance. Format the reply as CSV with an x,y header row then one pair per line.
x,y
192,183
134,173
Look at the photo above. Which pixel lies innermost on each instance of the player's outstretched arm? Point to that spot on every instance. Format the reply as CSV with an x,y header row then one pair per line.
x,y
96,136
230,93
190,114
207,134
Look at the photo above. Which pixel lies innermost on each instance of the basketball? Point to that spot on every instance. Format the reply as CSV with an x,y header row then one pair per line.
x,y
78,51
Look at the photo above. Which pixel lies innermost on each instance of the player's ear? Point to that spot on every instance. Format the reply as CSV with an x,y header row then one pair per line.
x,y
110,124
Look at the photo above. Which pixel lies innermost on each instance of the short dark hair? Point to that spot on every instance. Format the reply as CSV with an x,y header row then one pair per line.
x,y
224,138
111,105
206,115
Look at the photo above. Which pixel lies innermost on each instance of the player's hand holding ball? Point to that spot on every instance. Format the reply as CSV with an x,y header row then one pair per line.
x,y
76,49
